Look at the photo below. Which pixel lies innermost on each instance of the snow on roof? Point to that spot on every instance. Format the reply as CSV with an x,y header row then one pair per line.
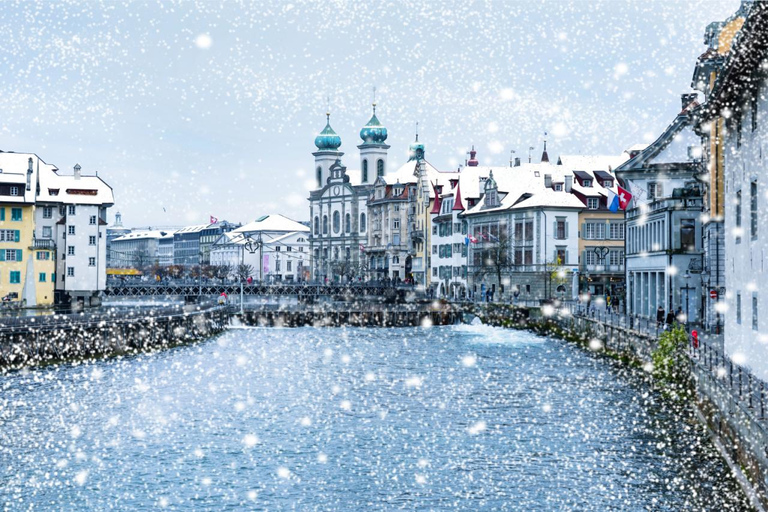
x,y
192,229
593,162
272,222
139,235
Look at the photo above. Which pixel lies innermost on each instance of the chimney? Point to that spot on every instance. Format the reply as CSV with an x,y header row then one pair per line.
x,y
77,171
29,174
568,183
517,161
548,180
688,98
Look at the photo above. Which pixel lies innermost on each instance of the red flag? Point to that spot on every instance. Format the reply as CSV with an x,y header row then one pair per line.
x,y
214,220
362,248
624,197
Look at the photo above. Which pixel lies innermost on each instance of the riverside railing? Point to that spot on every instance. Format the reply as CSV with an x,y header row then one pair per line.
x,y
708,362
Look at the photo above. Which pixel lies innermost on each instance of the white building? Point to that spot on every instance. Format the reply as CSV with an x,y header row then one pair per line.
x,y
740,95
142,249
664,256
276,247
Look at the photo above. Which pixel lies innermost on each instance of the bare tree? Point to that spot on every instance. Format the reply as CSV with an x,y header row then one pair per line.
x,y
141,259
495,259
243,271
223,271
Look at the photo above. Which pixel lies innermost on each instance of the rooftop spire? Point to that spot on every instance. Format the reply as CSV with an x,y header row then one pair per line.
x,y
544,155
374,100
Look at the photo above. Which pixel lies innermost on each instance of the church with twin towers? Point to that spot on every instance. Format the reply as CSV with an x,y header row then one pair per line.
x,y
337,206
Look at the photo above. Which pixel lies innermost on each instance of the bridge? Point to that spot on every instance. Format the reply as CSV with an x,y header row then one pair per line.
x,y
303,291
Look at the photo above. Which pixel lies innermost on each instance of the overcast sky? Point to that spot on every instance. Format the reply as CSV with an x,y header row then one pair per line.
x,y
191,109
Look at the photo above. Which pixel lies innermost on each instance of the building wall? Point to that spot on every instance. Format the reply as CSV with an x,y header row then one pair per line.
x,y
18,267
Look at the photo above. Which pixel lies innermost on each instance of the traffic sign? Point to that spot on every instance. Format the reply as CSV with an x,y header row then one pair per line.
x,y
713,294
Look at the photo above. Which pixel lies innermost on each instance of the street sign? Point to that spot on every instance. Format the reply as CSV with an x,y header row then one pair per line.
x,y
713,294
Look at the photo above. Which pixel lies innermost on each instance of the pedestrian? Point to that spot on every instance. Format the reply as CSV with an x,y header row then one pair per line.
x,y
670,319
608,303
660,317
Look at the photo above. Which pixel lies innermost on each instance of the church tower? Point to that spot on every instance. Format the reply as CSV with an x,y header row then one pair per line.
x,y
373,150
328,143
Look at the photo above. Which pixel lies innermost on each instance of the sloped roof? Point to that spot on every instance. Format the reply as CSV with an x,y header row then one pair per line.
x,y
272,222
139,235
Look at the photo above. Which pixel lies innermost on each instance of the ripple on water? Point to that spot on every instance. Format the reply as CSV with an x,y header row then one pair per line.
x,y
460,417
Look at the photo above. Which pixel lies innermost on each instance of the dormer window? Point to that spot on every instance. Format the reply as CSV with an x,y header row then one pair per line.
x,y
587,183
558,187
608,183
14,191
593,203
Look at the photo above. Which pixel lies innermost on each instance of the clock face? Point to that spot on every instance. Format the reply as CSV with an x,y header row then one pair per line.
x,y
336,190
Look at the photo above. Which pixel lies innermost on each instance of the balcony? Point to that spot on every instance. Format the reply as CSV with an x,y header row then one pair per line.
x,y
602,269
43,244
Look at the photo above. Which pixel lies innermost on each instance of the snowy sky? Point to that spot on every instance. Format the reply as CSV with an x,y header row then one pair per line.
x,y
191,109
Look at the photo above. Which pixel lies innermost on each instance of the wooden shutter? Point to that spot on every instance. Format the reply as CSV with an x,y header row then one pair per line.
x,y
17,235
19,255
2,254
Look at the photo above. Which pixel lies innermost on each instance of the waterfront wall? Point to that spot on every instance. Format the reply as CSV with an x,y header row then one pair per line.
x,y
729,400
43,340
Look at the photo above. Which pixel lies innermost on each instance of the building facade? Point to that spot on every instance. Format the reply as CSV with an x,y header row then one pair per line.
x,y
664,254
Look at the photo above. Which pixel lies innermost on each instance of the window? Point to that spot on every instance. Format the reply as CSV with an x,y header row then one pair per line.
x,y
289,248
738,308
71,230
365,171
319,174
655,190
71,250
16,214
362,223
325,224
380,168
43,255
593,203
47,212
347,223
561,231
15,277
616,230
9,235
92,220
616,257
71,209
688,234
587,183
560,256
70,271
14,191
288,266
336,222
738,215
754,312
42,277
47,232
753,209
558,187
529,231
396,224
91,240
594,231
277,248
608,183
13,255
91,262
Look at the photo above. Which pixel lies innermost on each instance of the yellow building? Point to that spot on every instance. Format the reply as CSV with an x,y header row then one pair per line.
x,y
27,264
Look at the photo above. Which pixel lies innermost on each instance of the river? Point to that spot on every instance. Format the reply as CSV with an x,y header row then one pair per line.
x,y
462,417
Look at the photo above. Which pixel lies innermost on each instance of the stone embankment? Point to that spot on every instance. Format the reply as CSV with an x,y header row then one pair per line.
x,y
729,401
40,340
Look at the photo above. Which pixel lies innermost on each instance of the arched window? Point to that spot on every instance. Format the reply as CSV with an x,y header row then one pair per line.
x,y
336,222
380,168
347,223
317,225
325,224
365,171
319,173
347,253
362,223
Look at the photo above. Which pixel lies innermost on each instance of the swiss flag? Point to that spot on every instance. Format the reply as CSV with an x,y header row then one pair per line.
x,y
624,197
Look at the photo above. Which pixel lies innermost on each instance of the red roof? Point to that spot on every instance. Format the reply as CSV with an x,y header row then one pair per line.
x,y
436,206
457,203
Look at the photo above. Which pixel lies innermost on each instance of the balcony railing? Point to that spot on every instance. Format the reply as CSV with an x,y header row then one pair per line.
x,y
42,244
603,268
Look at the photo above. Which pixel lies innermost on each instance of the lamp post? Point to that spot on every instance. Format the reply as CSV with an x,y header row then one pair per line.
x,y
601,252
250,245
687,289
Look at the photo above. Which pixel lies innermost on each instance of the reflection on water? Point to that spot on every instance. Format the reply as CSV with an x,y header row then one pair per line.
x,y
463,417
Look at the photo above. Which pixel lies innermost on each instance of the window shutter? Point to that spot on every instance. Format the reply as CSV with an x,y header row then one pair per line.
x,y
2,213
554,229
2,254
19,256
17,235
566,257
584,258
566,229
583,230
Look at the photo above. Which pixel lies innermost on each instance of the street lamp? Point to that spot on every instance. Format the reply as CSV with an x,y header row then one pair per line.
x,y
687,289
251,246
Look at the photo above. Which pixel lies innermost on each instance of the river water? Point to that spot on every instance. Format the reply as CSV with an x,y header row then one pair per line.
x,y
463,417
